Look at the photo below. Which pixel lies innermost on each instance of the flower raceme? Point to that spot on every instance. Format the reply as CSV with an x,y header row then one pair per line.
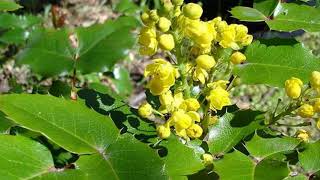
x,y
189,61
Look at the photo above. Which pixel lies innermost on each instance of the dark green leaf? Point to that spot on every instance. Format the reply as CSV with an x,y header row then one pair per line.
x,y
290,17
234,166
13,21
48,52
101,46
231,129
69,124
22,158
310,157
272,62
266,7
263,147
270,168
9,5
247,14
14,36
59,88
181,160
127,158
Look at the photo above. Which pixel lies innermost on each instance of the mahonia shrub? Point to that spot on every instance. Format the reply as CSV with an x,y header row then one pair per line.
x,y
191,124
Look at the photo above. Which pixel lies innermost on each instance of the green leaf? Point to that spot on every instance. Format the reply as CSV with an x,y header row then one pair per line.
x,y
231,129
127,7
5,123
270,169
181,160
234,166
22,158
290,17
122,81
9,5
48,52
274,61
69,124
13,21
263,147
310,157
14,36
247,14
266,7
101,46
127,158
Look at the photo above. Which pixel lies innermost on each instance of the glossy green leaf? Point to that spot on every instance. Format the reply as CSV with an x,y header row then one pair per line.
x,y
266,7
122,81
270,169
237,166
22,158
274,61
290,17
127,158
13,36
247,14
231,129
5,123
14,21
9,5
101,46
262,147
181,159
69,124
48,52
234,166
310,157
127,7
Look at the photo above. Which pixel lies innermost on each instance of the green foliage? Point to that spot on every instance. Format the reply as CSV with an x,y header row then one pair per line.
x,y
9,5
274,61
231,129
285,16
309,158
99,47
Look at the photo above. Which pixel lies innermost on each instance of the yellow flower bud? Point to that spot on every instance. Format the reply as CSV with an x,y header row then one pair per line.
x,y
177,2
293,87
145,18
164,24
303,135
218,98
194,116
154,15
200,75
177,11
181,120
149,47
148,32
166,99
238,58
163,131
207,159
145,110
219,83
315,79
205,61
316,105
194,131
166,42
167,6
191,104
305,111
192,11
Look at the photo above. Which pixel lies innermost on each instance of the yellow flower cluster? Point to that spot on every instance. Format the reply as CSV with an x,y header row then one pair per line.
x,y
294,87
191,45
